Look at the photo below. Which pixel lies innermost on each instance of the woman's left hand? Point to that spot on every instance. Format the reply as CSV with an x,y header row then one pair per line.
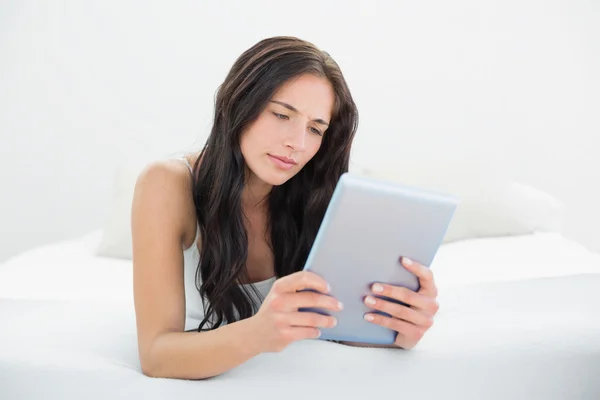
x,y
410,322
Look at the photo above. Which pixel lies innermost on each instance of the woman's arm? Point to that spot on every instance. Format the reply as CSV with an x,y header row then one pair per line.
x,y
160,218
199,355
161,213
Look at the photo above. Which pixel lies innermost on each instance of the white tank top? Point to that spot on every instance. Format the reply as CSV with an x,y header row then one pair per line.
x,y
193,302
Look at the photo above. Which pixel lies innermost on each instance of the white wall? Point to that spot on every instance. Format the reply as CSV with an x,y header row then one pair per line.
x,y
84,85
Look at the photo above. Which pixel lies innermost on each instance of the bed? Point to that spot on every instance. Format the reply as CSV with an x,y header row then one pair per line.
x,y
519,318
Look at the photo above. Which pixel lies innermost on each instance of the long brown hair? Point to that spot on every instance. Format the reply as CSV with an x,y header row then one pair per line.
x,y
296,208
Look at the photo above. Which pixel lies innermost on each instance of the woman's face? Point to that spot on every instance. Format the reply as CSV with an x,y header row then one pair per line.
x,y
291,127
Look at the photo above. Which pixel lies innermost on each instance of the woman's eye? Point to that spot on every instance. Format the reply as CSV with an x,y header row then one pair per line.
x,y
316,131
281,116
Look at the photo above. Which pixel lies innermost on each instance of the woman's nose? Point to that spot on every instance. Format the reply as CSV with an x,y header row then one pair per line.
x,y
296,138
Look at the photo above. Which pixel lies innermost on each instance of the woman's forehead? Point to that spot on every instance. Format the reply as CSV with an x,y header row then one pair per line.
x,y
311,95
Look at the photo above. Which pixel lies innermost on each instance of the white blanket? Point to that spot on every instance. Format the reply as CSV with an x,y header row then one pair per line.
x,y
68,331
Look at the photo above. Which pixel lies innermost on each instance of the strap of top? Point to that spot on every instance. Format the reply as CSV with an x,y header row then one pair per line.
x,y
185,160
194,245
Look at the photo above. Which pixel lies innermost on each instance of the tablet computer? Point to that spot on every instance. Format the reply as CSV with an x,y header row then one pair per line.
x,y
368,226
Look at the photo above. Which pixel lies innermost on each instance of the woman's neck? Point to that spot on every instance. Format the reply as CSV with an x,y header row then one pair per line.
x,y
255,194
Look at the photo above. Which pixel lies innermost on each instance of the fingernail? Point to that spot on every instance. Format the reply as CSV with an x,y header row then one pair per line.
x,y
318,334
407,261
369,317
328,288
334,321
370,300
377,288
340,305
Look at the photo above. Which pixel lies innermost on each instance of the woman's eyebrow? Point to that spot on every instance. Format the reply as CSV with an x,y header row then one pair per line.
x,y
292,108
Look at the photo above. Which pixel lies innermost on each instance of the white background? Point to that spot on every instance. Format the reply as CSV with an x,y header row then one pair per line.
x,y
86,85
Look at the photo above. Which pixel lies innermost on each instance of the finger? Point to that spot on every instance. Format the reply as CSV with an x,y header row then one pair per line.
x,y
411,315
424,275
415,299
299,281
408,334
311,319
300,333
294,301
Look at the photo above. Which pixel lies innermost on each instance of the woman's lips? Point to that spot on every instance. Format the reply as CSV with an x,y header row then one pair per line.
x,y
281,162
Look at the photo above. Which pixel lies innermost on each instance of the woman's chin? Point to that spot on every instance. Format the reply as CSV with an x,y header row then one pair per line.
x,y
277,178
278,181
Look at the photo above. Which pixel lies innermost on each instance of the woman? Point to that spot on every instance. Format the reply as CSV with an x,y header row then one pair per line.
x,y
249,206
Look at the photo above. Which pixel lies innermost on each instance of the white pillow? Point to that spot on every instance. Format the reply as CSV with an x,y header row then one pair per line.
x,y
491,204
116,233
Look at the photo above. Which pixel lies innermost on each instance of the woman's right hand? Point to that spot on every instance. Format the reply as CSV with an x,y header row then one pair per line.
x,y
278,322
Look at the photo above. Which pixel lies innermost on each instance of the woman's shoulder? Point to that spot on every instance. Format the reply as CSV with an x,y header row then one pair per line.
x,y
165,186
171,173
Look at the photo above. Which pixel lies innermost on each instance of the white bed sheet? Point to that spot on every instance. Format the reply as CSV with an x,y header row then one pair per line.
x,y
519,319
70,269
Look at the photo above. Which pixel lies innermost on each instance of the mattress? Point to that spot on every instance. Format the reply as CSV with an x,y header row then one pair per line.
x,y
518,319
